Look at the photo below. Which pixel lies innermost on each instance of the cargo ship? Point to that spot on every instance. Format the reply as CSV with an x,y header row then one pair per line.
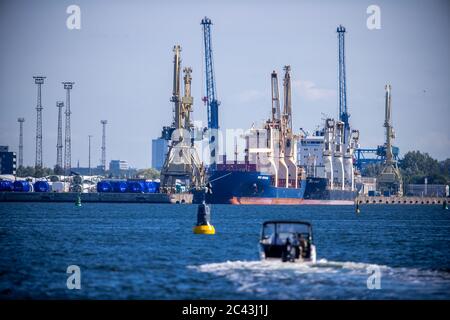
x,y
269,174
326,174
242,184
329,165
283,168
239,186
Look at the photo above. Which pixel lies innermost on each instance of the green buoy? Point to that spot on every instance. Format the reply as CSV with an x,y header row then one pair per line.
x,y
78,202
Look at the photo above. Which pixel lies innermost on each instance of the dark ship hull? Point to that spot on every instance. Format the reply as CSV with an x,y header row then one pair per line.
x,y
255,188
249,187
317,192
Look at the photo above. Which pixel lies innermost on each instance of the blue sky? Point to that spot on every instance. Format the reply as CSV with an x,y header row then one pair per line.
x,y
121,62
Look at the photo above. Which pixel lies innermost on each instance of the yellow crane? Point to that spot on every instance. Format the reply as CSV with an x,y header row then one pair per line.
x,y
182,161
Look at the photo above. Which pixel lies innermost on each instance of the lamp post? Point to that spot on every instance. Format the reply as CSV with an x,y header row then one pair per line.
x,y
90,171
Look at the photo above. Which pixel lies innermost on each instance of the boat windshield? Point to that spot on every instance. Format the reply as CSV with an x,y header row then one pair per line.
x,y
278,232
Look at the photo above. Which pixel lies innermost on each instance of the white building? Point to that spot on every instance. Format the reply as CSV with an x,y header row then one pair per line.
x,y
366,184
116,167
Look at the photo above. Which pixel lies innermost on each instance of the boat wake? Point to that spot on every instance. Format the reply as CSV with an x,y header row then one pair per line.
x,y
329,280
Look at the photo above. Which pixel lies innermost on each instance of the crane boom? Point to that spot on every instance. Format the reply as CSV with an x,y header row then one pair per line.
x,y
388,125
211,94
343,111
176,86
182,161
287,112
390,179
276,111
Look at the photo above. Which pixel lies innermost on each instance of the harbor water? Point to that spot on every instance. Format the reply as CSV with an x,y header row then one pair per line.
x,y
148,251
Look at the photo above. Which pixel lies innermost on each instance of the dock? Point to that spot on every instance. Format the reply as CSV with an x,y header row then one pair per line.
x,y
401,200
108,197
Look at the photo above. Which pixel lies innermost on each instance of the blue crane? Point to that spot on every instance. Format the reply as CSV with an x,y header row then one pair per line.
x,y
343,111
365,156
211,95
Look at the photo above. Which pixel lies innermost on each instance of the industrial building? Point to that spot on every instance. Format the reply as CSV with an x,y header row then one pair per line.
x,y
7,161
118,165
121,169
427,190
86,171
368,185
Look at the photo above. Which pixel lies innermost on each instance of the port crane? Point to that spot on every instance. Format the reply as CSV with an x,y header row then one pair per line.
x,y
390,179
211,94
343,110
363,156
182,161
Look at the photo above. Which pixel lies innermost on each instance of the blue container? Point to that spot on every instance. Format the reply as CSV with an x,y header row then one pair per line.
x,y
371,193
41,186
6,185
156,184
22,186
136,186
119,186
152,187
104,186
386,193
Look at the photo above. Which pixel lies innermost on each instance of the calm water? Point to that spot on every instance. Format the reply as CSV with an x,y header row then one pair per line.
x,y
149,252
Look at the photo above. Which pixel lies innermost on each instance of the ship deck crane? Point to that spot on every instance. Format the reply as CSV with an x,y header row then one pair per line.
x,y
289,139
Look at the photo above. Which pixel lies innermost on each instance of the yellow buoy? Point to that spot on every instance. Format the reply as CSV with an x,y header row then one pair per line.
x,y
204,229
203,225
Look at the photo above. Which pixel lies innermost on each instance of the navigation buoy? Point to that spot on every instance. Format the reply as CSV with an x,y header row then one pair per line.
x,y
357,210
203,225
78,202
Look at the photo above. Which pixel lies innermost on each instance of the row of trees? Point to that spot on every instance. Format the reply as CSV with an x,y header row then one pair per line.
x,y
36,172
149,173
415,167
